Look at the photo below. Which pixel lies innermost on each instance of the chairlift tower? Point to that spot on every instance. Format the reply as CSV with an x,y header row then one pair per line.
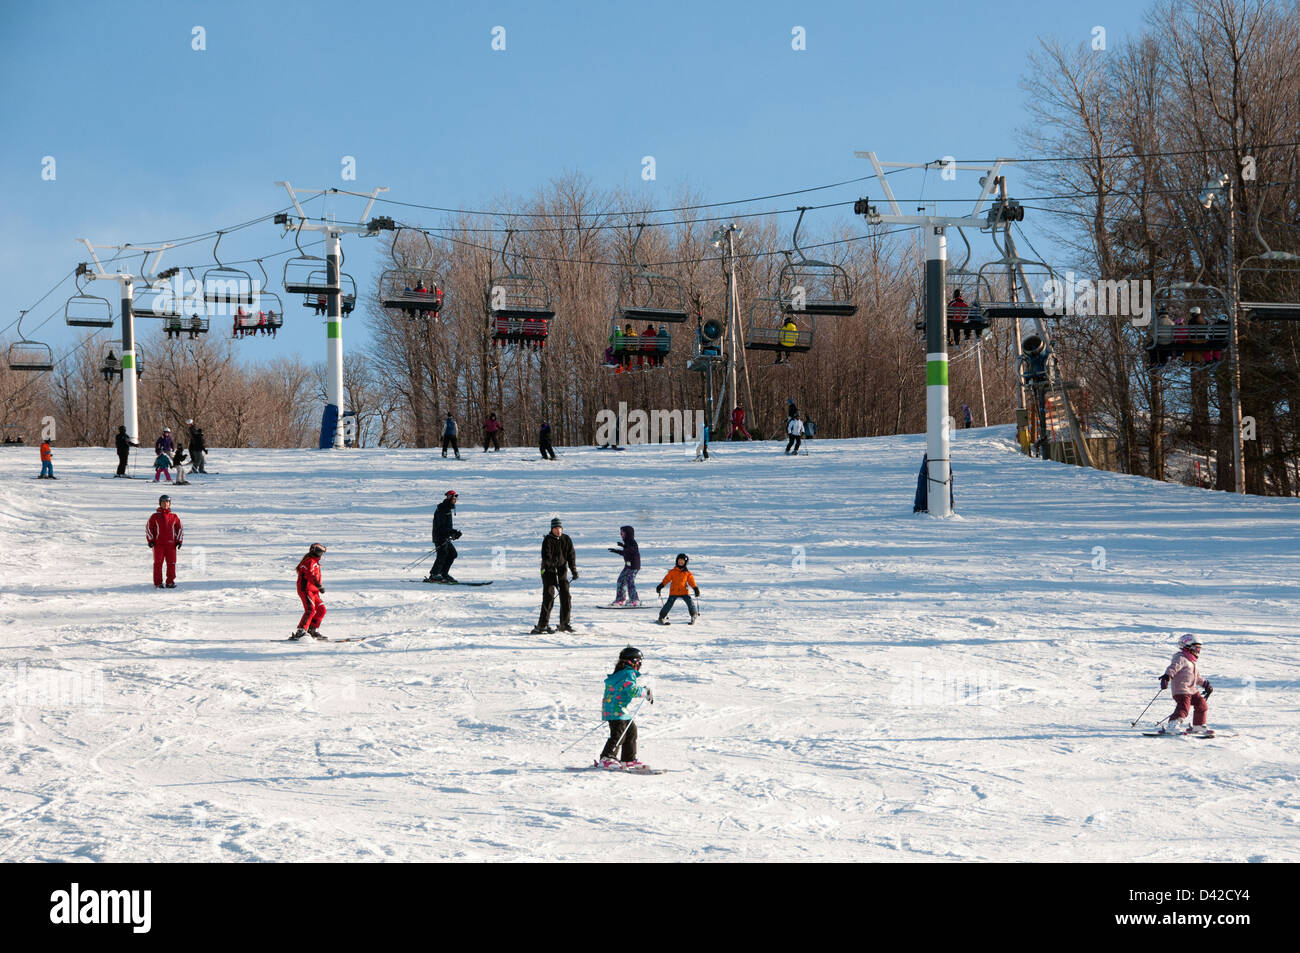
x,y
126,285
936,308
331,435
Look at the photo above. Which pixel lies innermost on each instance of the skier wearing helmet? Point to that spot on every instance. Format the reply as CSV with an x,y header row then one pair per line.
x,y
309,591
164,535
621,686
679,581
1183,681
443,534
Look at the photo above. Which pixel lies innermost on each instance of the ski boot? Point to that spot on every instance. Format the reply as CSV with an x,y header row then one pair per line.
x,y
298,634
633,603
543,630
616,602
447,579
608,763
431,578
694,616
662,621
1174,729
171,585
566,628
315,634
1201,731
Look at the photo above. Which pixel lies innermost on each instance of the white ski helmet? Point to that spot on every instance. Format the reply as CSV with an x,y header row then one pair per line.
x,y
1188,640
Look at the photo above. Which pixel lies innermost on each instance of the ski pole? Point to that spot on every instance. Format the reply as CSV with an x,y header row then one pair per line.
x,y
580,738
421,559
628,725
1134,722
592,728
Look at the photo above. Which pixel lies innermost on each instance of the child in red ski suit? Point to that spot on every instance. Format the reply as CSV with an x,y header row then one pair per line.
x,y
1183,681
309,591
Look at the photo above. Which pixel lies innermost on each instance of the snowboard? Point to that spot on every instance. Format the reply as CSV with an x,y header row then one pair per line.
x,y
457,583
618,769
644,605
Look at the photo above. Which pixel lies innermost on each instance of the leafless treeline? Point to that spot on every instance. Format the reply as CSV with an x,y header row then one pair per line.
x,y
1209,87
864,376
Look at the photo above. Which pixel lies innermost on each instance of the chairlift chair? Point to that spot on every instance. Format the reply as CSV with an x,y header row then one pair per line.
x,y
318,300
155,302
993,297
1190,324
767,331
648,349
88,311
519,304
965,317
25,355
264,316
644,295
812,287
1270,286
226,286
404,289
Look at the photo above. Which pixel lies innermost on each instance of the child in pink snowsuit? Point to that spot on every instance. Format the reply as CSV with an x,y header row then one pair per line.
x,y
1184,682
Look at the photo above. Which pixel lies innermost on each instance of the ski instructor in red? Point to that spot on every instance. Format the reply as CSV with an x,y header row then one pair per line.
x,y
309,591
164,536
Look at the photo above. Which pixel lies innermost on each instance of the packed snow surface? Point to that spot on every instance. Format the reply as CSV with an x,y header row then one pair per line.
x,y
863,683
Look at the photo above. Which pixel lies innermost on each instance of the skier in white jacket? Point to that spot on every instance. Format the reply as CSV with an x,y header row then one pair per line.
x,y
794,427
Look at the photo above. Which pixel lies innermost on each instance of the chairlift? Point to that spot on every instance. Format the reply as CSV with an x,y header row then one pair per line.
x,y
1270,286
769,328
644,295
25,355
995,296
226,286
87,311
406,290
965,320
319,301
626,343
264,316
111,364
518,300
300,272
812,287
151,301
1190,325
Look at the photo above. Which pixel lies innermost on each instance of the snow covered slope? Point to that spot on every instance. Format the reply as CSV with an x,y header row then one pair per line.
x,y
863,684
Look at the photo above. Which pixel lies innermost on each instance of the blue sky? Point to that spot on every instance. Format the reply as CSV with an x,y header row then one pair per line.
x,y
154,140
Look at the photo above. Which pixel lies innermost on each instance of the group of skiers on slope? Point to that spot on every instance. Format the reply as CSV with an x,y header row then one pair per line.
x,y
168,455
492,430
796,427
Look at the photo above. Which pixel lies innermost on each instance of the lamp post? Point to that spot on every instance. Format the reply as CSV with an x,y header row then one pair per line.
x,y
1220,189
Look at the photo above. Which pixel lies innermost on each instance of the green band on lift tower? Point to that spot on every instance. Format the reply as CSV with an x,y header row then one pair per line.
x,y
936,373
334,329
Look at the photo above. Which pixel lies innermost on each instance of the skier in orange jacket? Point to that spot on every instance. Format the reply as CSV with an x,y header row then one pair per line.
x,y
679,580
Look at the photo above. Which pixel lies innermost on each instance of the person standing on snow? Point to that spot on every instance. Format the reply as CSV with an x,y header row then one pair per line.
x,y
621,686
794,427
679,580
1184,682
165,444
544,442
164,534
197,449
443,534
449,436
631,554
558,560
493,430
47,462
123,444
738,424
309,591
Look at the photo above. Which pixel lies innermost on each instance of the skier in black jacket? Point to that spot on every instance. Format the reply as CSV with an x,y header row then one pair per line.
x,y
443,534
123,443
198,450
557,562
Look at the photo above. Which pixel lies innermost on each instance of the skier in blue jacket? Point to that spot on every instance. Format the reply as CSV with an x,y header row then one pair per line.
x,y
621,686
631,554
449,436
